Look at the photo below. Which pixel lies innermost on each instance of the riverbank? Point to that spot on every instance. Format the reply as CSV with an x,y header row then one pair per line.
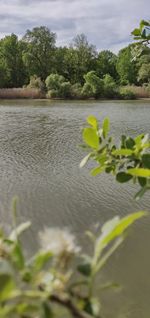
x,y
127,93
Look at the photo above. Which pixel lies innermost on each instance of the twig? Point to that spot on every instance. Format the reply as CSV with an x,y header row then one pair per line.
x,y
66,302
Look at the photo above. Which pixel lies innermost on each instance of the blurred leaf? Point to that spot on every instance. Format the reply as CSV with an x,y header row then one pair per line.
x,y
17,256
139,172
19,230
40,260
142,181
136,32
130,143
92,121
84,269
113,229
140,194
7,286
122,152
97,170
146,160
106,125
123,177
91,138
85,160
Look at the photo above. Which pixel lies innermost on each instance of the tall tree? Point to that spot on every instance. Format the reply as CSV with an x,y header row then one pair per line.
x,y
126,67
39,55
106,64
11,50
85,56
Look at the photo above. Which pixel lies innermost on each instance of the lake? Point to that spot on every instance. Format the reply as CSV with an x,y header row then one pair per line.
x,y
39,162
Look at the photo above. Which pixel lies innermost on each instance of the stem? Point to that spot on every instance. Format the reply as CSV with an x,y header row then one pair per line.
x,y
66,302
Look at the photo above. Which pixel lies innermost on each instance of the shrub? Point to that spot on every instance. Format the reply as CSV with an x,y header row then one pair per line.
x,y
53,81
127,94
96,84
36,82
65,90
53,93
76,91
87,91
110,88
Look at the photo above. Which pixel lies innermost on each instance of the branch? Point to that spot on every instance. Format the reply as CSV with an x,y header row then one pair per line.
x,y
66,302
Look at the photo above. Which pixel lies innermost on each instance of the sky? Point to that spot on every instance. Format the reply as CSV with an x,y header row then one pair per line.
x,y
106,23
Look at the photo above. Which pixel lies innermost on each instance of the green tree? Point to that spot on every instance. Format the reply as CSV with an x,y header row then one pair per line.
x,y
110,87
94,84
126,67
106,64
39,54
11,58
85,55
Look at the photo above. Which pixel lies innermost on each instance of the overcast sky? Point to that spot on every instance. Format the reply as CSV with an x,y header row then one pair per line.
x,y
107,23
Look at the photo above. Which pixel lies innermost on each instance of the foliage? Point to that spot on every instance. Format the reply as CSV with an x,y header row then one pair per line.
x,y
39,53
36,54
95,84
126,93
32,287
53,81
35,82
126,67
128,161
106,64
142,33
110,87
11,57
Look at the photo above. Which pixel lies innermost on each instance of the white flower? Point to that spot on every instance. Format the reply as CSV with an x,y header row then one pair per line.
x,y
59,242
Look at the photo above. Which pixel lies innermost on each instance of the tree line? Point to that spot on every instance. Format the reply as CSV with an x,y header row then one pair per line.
x,y
77,70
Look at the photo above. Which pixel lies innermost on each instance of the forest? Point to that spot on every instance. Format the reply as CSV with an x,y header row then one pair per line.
x,y
78,71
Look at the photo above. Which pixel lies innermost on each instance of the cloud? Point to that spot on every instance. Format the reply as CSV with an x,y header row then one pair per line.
x,y
107,23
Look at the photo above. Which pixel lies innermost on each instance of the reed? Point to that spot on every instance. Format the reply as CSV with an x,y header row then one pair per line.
x,y
16,93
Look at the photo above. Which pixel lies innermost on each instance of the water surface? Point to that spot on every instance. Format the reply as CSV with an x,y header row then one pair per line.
x,y
39,162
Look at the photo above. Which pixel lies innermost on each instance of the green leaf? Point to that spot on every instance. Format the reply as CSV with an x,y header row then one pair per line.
x,y
85,160
91,138
85,269
146,160
136,32
7,286
47,312
18,257
122,152
123,177
92,121
142,181
140,194
19,230
113,229
40,260
106,125
130,143
139,172
97,170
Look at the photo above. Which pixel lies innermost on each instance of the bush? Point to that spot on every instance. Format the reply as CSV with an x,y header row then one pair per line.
x,y
87,91
53,93
53,81
110,88
36,82
127,94
65,90
76,91
96,84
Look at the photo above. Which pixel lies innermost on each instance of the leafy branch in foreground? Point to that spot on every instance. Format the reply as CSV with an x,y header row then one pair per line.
x,y
142,33
47,283
129,161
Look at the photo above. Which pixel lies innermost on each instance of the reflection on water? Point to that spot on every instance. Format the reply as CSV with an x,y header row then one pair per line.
x,y
39,162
